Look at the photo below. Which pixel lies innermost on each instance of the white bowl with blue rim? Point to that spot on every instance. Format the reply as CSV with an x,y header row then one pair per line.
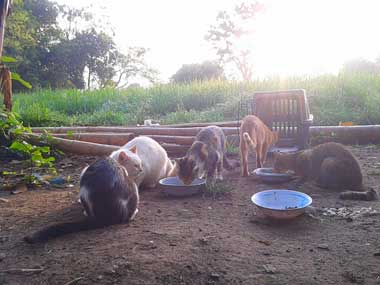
x,y
269,175
174,186
281,203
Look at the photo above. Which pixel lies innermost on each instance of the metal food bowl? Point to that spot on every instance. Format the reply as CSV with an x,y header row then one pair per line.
x,y
174,186
281,203
269,175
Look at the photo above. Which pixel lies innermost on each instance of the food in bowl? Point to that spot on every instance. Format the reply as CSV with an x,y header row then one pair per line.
x,y
174,186
270,175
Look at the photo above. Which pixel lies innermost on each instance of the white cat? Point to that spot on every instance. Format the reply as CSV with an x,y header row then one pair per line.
x,y
145,160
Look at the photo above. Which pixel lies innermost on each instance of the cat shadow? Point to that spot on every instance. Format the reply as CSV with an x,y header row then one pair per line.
x,y
291,226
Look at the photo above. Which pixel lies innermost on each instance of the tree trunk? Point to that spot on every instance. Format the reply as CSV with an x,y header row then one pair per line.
x,y
6,86
5,75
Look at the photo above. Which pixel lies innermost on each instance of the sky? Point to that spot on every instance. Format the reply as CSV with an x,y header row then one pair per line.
x,y
291,37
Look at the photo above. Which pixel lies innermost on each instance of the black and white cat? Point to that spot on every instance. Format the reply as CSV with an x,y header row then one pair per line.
x,y
108,195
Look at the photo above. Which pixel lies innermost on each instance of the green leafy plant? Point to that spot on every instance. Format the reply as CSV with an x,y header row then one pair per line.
x,y
14,132
217,188
14,75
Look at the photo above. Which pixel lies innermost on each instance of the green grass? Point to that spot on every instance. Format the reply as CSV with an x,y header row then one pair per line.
x,y
331,98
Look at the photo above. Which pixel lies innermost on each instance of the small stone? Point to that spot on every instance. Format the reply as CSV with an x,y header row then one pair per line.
x,y
269,268
214,276
100,277
2,256
109,271
159,211
375,254
323,246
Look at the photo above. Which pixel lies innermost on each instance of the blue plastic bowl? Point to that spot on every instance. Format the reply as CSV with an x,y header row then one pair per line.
x,y
281,203
174,186
270,176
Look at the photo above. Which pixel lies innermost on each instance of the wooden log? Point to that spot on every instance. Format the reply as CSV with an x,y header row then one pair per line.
x,y
180,140
119,139
192,125
89,148
135,130
364,134
73,146
175,148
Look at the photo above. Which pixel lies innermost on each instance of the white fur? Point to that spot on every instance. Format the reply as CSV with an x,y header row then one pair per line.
x,y
84,195
152,158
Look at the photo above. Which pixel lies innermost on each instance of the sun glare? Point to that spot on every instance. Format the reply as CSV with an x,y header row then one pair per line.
x,y
290,37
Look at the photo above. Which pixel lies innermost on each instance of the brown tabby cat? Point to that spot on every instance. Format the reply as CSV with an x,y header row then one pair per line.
x,y
205,158
331,166
255,136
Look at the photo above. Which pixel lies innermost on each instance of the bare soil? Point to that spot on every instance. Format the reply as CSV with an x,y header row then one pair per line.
x,y
195,240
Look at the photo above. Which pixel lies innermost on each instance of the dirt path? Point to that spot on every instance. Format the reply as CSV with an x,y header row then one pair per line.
x,y
197,240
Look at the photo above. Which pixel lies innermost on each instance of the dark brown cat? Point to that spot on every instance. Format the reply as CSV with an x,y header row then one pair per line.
x,y
108,196
331,166
205,158
255,136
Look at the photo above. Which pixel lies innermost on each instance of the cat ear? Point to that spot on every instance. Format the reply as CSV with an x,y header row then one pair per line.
x,y
122,156
204,152
133,149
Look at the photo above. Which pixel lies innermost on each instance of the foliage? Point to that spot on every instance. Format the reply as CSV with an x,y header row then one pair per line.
x,y
207,70
361,66
12,130
345,97
57,46
229,37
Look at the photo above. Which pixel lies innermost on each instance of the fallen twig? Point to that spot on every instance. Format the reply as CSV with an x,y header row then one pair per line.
x,y
23,270
74,281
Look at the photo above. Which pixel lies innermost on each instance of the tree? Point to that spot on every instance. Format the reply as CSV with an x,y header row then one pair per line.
x,y
50,55
198,72
360,65
230,35
130,65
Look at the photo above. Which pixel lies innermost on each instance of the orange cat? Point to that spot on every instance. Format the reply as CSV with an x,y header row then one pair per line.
x,y
255,136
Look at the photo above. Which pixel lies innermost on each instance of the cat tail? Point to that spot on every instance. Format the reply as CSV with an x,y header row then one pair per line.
x,y
230,164
251,144
369,195
57,230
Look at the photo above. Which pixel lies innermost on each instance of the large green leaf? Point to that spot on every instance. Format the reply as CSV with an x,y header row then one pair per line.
x,y
7,59
17,77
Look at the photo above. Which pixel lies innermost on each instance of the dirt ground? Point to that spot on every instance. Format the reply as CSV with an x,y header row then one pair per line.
x,y
195,240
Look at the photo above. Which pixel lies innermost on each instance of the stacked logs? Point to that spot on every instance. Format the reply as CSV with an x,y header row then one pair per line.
x,y
176,139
